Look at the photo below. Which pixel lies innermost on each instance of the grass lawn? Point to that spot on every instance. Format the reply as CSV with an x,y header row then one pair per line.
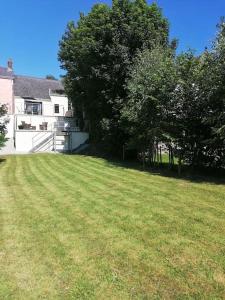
x,y
75,227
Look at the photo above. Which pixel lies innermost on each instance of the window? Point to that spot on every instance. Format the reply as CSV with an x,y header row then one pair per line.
x,y
33,108
56,108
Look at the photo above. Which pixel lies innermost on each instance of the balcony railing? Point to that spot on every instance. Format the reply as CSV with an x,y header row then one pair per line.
x,y
41,123
33,112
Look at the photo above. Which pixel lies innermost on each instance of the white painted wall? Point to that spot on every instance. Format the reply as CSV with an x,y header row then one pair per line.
x,y
47,109
47,105
10,126
78,138
19,105
26,140
63,105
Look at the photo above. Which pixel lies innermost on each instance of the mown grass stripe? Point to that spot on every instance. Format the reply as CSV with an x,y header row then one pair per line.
x,y
41,167
61,248
175,205
157,187
93,184
96,230
188,224
158,251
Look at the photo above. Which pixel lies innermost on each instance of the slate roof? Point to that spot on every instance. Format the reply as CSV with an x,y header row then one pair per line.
x,y
36,88
5,73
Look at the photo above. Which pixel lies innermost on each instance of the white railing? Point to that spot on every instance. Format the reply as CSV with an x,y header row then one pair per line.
x,y
47,140
41,139
45,123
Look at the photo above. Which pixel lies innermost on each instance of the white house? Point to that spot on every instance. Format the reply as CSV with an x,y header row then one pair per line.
x,y
39,115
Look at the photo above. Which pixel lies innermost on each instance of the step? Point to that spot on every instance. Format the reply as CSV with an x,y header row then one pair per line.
x,y
59,143
62,133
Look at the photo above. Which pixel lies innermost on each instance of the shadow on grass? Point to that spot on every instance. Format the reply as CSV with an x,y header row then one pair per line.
x,y
206,175
198,176
2,160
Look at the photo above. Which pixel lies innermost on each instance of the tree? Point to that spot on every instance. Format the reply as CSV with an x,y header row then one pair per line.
x,y
3,111
50,77
177,101
97,53
199,103
188,107
82,56
150,89
214,74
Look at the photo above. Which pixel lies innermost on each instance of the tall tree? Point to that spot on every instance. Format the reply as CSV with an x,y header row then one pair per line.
x,y
178,101
188,107
97,53
213,90
150,89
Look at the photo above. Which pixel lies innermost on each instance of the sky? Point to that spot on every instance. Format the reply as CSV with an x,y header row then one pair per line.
x,y
30,30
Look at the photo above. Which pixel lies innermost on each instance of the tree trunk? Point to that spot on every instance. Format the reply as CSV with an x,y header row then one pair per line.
x,y
160,153
143,160
179,165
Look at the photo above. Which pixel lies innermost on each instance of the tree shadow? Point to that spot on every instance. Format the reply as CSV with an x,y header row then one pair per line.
x,y
204,175
2,160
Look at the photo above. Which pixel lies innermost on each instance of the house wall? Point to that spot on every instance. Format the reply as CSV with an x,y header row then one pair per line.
x,y
10,126
47,105
63,105
6,93
47,108
19,105
28,140
78,138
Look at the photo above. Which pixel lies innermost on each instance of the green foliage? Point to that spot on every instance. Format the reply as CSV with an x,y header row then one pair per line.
x,y
124,78
188,130
180,102
50,77
150,89
3,111
97,53
214,87
205,118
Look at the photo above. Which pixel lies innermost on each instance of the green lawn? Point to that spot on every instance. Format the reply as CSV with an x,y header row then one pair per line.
x,y
75,227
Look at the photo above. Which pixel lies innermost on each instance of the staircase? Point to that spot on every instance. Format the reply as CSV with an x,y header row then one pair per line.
x,y
62,141
59,137
43,142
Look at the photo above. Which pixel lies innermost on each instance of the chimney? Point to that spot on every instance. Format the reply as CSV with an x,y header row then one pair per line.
x,y
10,65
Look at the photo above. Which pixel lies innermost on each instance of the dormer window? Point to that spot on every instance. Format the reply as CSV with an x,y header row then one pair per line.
x,y
56,108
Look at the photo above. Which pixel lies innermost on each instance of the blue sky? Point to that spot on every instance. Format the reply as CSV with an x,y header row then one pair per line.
x,y
30,29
